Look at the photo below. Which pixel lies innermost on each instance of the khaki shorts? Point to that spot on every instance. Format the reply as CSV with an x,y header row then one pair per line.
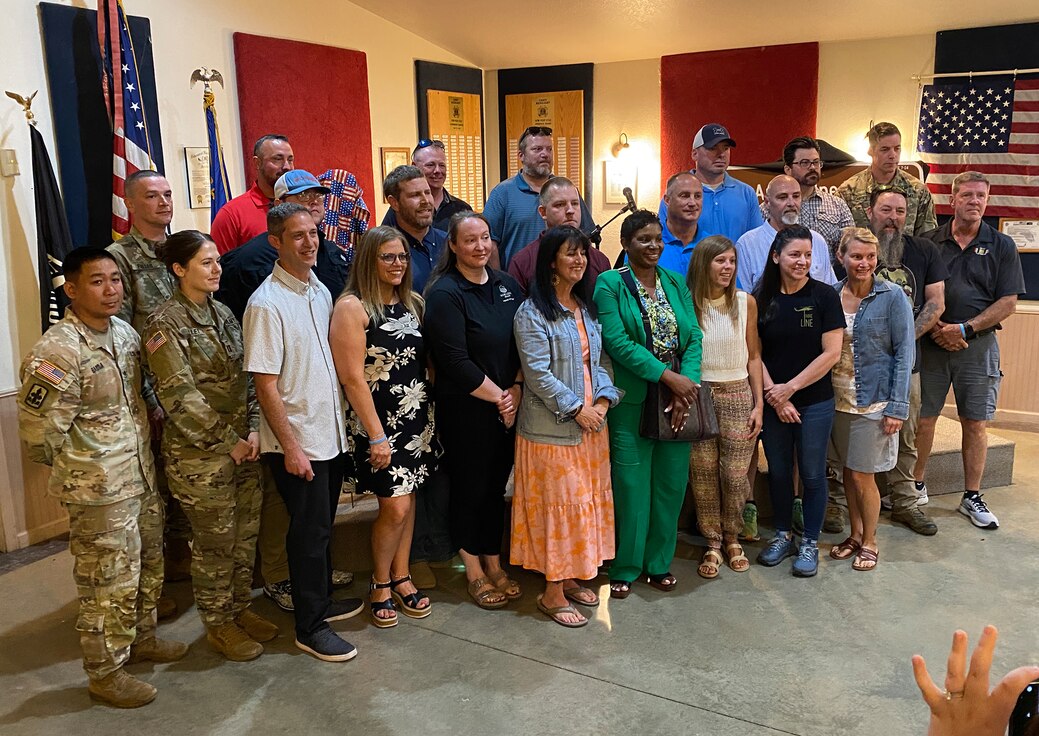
x,y
859,443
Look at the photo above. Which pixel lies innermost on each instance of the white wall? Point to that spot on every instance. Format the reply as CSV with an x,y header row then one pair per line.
x,y
187,34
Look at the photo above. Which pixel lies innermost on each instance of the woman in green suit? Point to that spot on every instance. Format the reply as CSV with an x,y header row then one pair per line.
x,y
649,476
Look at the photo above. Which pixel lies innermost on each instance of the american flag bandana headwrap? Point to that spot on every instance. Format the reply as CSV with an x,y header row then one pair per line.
x,y
131,145
346,215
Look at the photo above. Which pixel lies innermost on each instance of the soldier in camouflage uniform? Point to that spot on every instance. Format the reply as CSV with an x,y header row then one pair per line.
x,y
885,150
194,352
80,411
146,285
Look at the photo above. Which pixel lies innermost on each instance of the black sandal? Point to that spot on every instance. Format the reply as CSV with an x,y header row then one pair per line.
x,y
620,589
382,622
409,603
665,582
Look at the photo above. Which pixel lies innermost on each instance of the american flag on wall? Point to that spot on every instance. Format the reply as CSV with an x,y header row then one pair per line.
x,y
989,124
131,145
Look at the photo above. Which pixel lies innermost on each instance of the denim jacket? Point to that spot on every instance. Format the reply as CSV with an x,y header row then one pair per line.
x,y
884,348
553,374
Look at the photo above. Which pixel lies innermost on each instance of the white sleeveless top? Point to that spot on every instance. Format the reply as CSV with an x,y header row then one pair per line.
x,y
724,341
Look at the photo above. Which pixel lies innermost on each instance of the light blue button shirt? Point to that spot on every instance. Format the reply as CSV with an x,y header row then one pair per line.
x,y
752,253
730,210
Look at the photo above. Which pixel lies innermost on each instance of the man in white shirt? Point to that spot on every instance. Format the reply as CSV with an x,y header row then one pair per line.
x,y
303,424
783,200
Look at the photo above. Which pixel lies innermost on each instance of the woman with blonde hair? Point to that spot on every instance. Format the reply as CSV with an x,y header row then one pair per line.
x,y
731,366
380,356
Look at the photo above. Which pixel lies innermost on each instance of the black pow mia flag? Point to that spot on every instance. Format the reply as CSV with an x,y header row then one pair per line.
x,y
53,240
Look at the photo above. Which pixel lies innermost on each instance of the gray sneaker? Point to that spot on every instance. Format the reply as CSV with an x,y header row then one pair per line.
x,y
916,520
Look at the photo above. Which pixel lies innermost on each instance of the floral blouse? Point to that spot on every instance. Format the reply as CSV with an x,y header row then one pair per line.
x,y
661,319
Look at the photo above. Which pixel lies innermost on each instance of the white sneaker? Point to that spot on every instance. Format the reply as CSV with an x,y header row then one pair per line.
x,y
980,516
922,500
885,503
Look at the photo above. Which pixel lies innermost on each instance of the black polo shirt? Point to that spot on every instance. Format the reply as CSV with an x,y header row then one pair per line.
x,y
979,275
245,268
441,218
468,328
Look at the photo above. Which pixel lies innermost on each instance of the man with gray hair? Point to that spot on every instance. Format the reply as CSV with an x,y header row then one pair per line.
x,y
411,201
783,200
885,151
558,204
512,206
245,216
431,157
985,280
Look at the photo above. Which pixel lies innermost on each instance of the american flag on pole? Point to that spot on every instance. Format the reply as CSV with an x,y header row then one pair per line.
x,y
991,125
131,145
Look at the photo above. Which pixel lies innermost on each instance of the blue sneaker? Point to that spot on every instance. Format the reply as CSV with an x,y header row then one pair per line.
x,y
327,646
777,550
807,562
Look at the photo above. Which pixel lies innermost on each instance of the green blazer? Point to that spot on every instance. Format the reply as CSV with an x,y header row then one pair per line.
x,y
624,337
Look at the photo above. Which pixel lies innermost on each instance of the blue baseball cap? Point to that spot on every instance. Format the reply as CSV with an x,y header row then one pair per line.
x,y
297,181
711,135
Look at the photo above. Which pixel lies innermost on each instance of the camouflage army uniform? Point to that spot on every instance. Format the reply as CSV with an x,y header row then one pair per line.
x,y
80,411
146,286
194,357
920,216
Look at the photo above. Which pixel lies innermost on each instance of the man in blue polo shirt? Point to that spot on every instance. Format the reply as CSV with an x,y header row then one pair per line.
x,y
408,193
681,230
730,207
512,206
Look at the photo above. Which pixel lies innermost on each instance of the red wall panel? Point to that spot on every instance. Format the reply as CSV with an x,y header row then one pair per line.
x,y
764,95
316,95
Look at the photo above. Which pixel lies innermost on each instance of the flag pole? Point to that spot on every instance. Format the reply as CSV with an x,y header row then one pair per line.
x,y
219,187
26,103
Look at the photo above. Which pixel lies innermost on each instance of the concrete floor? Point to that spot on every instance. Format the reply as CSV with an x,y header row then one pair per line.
x,y
752,654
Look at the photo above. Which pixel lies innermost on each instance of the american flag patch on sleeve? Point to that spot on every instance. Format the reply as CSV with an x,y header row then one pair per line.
x,y
155,342
50,373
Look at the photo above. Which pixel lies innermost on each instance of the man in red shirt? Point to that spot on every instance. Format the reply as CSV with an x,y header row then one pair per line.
x,y
245,216
558,204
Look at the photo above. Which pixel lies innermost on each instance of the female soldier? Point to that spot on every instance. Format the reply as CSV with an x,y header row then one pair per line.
x,y
194,351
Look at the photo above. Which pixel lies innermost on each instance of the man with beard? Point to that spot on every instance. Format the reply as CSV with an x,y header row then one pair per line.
x,y
411,200
820,211
915,265
730,207
681,230
245,216
512,206
885,150
783,200
985,280
558,204
431,157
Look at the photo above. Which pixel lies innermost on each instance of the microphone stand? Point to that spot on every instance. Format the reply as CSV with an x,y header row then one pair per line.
x,y
596,234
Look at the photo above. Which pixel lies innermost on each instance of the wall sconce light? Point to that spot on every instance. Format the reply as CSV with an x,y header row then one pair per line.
x,y
620,145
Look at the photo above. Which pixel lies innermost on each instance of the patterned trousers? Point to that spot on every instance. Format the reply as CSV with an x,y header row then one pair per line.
x,y
222,501
118,572
718,467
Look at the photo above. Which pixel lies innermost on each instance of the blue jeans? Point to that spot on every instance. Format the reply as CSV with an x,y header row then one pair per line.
x,y
809,441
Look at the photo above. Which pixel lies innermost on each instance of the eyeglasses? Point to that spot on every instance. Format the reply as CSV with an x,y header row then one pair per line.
x,y
806,164
390,258
308,197
535,130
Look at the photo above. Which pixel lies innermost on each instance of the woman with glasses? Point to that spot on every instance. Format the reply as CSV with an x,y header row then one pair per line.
x,y
469,313
380,355
649,475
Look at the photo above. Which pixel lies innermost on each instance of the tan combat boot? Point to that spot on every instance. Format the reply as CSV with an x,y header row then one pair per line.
x,y
122,690
231,640
153,649
256,626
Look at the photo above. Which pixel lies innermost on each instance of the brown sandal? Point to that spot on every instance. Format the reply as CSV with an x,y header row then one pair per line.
x,y
737,562
846,549
489,598
506,586
712,560
865,555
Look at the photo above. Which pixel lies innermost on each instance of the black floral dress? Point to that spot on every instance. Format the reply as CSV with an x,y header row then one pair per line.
x,y
395,368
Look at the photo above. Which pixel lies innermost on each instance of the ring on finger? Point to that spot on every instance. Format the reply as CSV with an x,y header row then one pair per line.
x,y
950,694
